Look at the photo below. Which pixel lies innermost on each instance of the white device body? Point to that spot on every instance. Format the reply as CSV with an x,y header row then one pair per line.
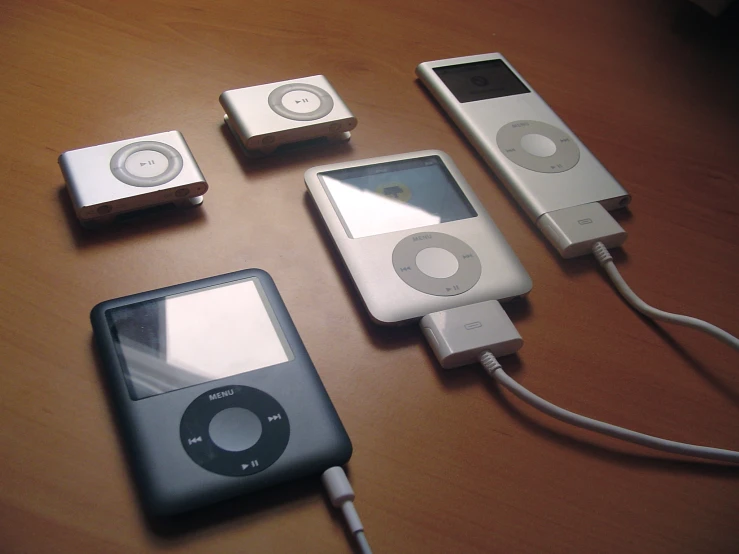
x,y
264,117
382,276
109,179
520,118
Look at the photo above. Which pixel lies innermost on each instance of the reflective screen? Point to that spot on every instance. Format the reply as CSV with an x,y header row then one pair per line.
x,y
187,339
480,80
395,196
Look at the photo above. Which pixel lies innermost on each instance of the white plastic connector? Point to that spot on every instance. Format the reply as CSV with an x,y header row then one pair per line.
x,y
337,486
458,336
341,494
574,231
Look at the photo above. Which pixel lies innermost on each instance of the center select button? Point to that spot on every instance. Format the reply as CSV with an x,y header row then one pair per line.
x,y
235,429
301,101
437,262
538,145
146,163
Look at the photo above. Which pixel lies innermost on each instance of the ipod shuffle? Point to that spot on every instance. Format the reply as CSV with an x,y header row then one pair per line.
x,y
110,179
264,117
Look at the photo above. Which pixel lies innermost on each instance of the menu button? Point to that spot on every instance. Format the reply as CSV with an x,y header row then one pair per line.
x,y
221,394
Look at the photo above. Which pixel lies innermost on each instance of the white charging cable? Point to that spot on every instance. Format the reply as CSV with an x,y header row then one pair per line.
x,y
493,368
460,336
590,228
606,261
482,331
342,495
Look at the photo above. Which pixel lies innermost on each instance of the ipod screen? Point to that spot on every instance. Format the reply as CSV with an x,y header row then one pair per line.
x,y
474,81
395,196
186,339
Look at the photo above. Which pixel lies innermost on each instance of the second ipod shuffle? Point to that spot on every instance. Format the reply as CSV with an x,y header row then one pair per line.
x,y
264,117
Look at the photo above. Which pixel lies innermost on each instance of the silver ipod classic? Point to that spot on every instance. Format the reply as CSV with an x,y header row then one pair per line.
x,y
541,161
264,117
110,179
414,236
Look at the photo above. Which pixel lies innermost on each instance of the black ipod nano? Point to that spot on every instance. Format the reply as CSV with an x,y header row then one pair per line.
x,y
215,393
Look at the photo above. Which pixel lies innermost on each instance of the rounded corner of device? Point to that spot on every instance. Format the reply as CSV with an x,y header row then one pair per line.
x,y
381,318
98,311
157,505
528,284
309,173
437,152
346,451
179,135
310,177
261,274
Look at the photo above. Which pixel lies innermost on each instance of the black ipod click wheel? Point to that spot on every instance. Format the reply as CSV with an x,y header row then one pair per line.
x,y
234,430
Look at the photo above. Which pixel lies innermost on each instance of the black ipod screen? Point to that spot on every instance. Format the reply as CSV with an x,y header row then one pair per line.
x,y
480,80
395,196
186,339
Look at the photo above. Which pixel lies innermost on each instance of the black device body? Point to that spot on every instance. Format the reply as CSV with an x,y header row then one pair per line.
x,y
207,417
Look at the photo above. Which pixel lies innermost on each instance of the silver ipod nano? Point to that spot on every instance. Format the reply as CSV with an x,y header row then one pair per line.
x,y
414,236
264,117
110,179
541,161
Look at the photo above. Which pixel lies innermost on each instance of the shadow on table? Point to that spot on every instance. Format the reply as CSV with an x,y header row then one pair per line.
x,y
127,226
304,154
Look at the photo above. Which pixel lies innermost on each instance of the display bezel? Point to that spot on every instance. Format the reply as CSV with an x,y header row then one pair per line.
x,y
123,363
513,82
404,164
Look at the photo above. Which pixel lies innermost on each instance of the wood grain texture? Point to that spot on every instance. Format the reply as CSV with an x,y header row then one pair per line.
x,y
443,462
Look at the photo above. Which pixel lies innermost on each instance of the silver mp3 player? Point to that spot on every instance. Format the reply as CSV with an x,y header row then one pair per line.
x,y
264,117
541,161
414,236
109,179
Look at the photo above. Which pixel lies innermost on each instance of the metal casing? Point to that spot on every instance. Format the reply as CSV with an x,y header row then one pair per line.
x,y
480,121
389,300
258,126
96,192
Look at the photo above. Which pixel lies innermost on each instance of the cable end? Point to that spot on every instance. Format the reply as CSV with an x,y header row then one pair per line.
x,y
460,335
340,492
574,231
489,363
601,253
337,486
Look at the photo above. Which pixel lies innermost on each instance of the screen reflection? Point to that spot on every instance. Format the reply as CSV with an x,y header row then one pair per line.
x,y
192,338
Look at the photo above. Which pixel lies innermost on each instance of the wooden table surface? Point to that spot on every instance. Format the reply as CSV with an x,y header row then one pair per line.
x,y
443,461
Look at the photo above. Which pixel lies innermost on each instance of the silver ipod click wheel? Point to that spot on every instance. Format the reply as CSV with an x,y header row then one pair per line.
x,y
264,117
107,180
